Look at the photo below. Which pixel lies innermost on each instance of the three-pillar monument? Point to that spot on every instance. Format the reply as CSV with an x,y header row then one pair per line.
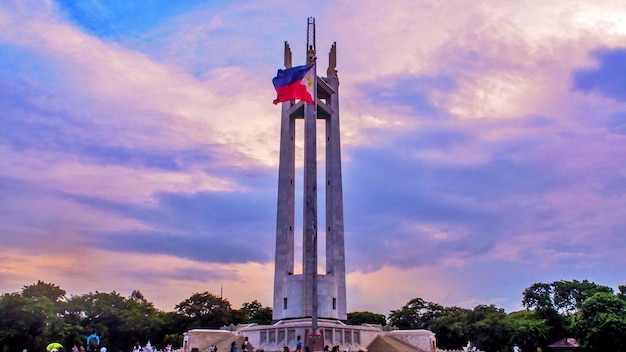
x,y
309,305
310,294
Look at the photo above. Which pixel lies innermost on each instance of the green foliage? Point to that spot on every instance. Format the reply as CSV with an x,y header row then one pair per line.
x,y
557,324
416,314
563,296
595,315
254,312
358,318
34,317
205,310
120,321
600,324
570,295
528,329
41,313
487,328
42,289
451,327
581,309
538,296
622,291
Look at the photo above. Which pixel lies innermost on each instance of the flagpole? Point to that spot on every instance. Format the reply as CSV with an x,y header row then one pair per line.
x,y
311,155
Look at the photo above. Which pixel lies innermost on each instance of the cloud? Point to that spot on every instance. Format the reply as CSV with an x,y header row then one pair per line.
x,y
205,227
411,94
482,149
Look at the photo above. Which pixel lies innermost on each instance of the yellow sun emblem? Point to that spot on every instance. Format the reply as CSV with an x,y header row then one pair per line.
x,y
309,81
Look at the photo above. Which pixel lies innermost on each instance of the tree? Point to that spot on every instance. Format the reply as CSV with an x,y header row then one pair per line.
x,y
41,313
557,325
570,295
42,289
205,310
28,322
563,296
251,308
451,327
538,296
358,318
119,321
528,329
622,291
416,314
600,323
263,316
140,320
488,329
254,312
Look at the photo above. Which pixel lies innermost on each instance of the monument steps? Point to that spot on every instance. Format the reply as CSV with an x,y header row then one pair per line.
x,y
221,339
389,344
223,344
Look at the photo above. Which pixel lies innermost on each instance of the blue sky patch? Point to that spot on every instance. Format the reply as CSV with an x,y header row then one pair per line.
x,y
608,79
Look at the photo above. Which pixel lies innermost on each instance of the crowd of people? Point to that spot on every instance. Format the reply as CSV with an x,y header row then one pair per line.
x,y
93,345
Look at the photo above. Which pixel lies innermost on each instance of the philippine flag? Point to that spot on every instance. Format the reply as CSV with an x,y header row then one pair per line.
x,y
294,83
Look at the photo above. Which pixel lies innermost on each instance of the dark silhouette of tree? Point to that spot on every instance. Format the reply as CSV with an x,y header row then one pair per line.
x,y
254,312
358,318
205,310
42,289
566,297
451,327
488,329
416,314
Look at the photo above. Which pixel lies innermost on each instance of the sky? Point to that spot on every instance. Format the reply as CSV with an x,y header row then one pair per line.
x,y
483,146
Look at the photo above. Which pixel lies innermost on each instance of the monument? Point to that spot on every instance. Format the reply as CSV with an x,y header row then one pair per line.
x,y
310,294
309,304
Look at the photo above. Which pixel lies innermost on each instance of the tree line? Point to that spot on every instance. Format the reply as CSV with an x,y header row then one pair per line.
x,y
43,313
591,313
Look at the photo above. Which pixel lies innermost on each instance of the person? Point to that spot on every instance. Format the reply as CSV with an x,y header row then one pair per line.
x,y
74,348
93,341
299,344
233,347
286,349
325,348
516,349
244,345
137,347
54,346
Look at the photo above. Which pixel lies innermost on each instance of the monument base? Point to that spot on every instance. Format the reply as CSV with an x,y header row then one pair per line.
x,y
284,333
273,338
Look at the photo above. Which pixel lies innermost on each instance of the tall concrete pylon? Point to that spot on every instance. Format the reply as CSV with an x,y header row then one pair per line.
x,y
310,295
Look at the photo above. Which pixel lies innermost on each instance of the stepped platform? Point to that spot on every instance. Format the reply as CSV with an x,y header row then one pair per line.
x,y
273,338
385,343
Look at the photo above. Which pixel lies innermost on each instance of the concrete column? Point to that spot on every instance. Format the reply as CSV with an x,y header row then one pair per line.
x,y
335,248
309,252
284,255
